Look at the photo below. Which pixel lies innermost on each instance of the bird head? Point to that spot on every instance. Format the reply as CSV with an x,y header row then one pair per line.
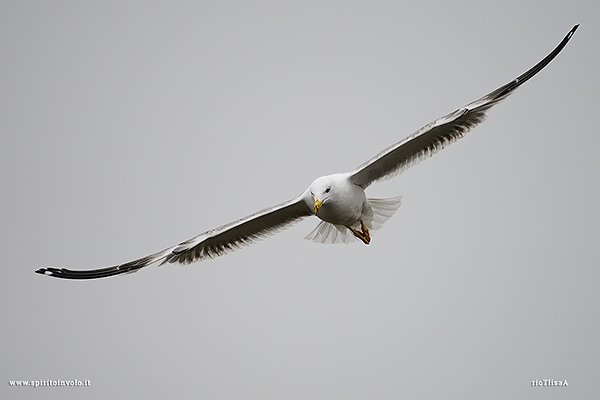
x,y
320,190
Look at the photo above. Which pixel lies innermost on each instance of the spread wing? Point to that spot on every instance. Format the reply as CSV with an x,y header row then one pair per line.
x,y
436,135
210,244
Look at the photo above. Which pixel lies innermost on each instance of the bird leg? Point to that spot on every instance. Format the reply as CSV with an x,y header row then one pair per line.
x,y
364,235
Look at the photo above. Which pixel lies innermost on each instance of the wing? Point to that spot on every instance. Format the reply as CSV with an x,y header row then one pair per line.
x,y
210,244
436,135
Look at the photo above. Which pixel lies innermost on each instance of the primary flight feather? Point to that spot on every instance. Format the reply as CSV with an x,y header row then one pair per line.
x,y
339,200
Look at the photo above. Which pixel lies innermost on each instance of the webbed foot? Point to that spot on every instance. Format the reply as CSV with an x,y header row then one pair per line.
x,y
363,235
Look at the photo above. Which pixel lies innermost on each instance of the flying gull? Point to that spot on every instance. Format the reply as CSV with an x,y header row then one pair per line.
x,y
338,200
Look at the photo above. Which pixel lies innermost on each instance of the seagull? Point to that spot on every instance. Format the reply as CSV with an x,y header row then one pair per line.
x,y
338,200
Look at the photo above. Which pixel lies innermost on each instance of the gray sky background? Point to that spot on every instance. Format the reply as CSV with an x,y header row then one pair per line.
x,y
130,126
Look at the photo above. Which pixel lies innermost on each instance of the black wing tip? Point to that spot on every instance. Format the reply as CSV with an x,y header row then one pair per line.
x,y
503,91
44,271
60,273
571,32
64,273
56,272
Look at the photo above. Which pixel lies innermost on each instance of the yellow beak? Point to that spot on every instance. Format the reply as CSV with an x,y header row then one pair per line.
x,y
318,205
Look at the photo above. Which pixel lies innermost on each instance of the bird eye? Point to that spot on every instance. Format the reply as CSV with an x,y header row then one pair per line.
x,y
328,189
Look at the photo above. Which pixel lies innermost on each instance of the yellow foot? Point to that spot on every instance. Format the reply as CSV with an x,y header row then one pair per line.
x,y
364,235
